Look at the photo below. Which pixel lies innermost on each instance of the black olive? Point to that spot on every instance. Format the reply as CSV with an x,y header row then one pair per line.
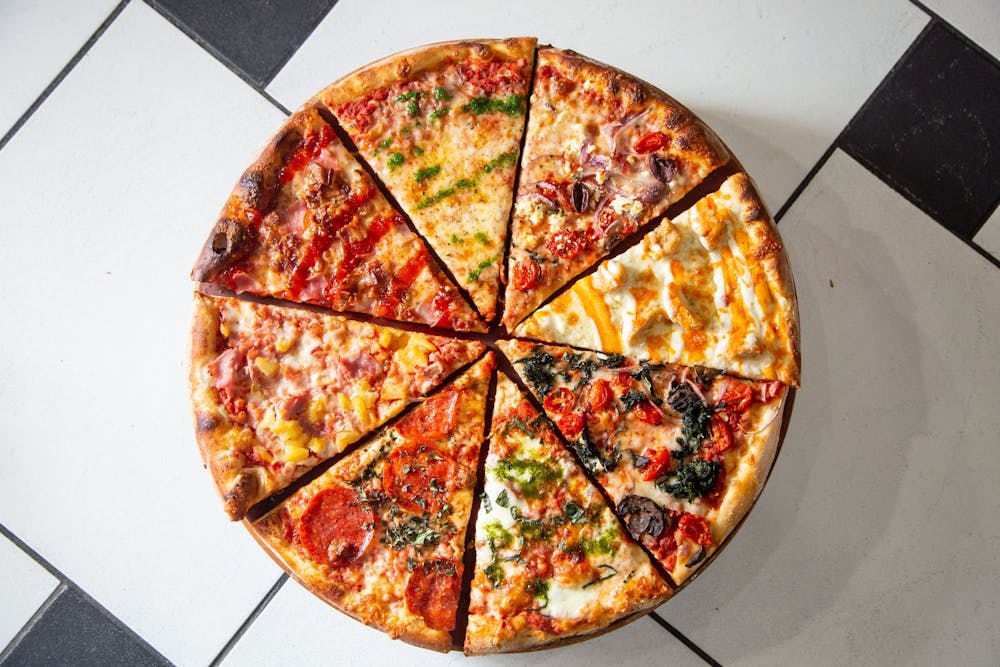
x,y
651,193
697,558
682,396
662,168
642,516
206,422
580,196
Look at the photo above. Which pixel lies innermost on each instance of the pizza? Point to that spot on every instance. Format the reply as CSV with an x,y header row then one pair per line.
x,y
277,390
604,154
380,535
306,223
442,126
682,451
710,287
552,561
492,346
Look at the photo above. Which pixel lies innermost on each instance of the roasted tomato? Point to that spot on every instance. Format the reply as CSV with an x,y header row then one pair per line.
x,y
559,401
599,395
525,275
659,463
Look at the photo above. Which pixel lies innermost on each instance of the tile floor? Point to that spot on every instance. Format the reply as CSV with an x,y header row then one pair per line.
x,y
876,539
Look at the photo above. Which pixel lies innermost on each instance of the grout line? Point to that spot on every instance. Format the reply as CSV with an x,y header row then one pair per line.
x,y
806,180
238,635
280,66
30,624
63,73
69,583
193,36
958,33
684,640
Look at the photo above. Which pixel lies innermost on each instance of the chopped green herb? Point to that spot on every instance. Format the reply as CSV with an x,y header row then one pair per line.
x,y
457,240
605,545
538,588
441,94
614,360
591,458
600,579
691,480
574,512
510,105
497,534
518,423
537,369
409,96
426,172
383,145
412,108
487,505
483,265
395,160
465,183
494,572
632,398
415,530
530,476
437,113
435,198
502,160
503,500
482,238
406,129
418,151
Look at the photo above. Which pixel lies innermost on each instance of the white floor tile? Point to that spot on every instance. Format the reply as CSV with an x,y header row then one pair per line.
x,y
988,236
877,539
297,628
778,81
23,588
978,19
37,39
109,192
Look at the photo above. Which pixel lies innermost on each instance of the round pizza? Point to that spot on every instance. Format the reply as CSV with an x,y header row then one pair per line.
x,y
492,346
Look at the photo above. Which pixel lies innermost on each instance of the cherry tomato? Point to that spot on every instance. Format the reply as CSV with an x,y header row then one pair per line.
x,y
722,437
653,141
648,413
599,395
571,425
737,398
659,463
525,275
694,529
566,244
337,526
559,401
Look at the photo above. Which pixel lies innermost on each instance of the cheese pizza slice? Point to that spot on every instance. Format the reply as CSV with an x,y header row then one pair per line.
x,y
683,452
442,126
604,153
278,390
381,535
306,223
552,562
711,287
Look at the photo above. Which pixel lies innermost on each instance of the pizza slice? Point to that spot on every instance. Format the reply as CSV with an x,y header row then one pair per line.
x,y
711,287
552,561
306,223
604,154
278,390
442,127
682,451
381,535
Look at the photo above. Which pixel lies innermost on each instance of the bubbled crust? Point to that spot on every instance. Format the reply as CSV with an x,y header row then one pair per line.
x,y
413,62
255,191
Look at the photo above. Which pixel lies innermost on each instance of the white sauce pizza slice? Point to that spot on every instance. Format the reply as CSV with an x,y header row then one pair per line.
x,y
381,534
604,153
278,390
552,561
710,288
683,452
442,127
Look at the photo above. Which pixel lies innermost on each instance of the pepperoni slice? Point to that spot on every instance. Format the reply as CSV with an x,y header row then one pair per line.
x,y
337,526
432,593
418,477
559,400
434,420
695,529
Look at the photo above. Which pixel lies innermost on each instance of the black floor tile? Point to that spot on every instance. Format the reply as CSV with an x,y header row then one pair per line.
x,y
255,37
72,631
932,131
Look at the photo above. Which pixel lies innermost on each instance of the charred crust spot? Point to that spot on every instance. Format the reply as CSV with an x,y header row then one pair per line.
x,y
239,496
403,68
255,190
230,239
766,248
287,141
481,50
635,93
206,422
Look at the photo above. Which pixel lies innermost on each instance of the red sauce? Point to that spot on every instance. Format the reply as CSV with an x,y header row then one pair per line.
x,y
492,75
443,304
361,112
307,151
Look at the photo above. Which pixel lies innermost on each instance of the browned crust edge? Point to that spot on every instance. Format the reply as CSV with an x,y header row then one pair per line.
x,y
255,190
411,63
769,252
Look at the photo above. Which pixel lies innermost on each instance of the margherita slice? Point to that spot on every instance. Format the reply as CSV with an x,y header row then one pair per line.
x,y
711,287
551,559
277,390
604,154
683,452
442,126
381,535
306,223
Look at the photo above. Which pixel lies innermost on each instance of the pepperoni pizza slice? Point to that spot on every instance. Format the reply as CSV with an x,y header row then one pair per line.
x,y
552,561
682,451
604,154
711,287
442,126
381,535
278,390
306,223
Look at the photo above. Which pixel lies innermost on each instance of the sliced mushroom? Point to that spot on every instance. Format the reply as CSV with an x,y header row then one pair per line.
x,y
642,516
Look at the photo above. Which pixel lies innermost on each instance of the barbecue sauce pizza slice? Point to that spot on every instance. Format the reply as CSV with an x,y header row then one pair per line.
x,y
277,390
683,452
381,535
552,562
711,287
604,154
306,223
442,126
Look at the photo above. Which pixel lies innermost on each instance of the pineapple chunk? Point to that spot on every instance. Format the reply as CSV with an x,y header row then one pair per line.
x,y
343,401
317,445
284,344
393,391
385,339
295,454
266,366
344,438
317,408
223,329
415,352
